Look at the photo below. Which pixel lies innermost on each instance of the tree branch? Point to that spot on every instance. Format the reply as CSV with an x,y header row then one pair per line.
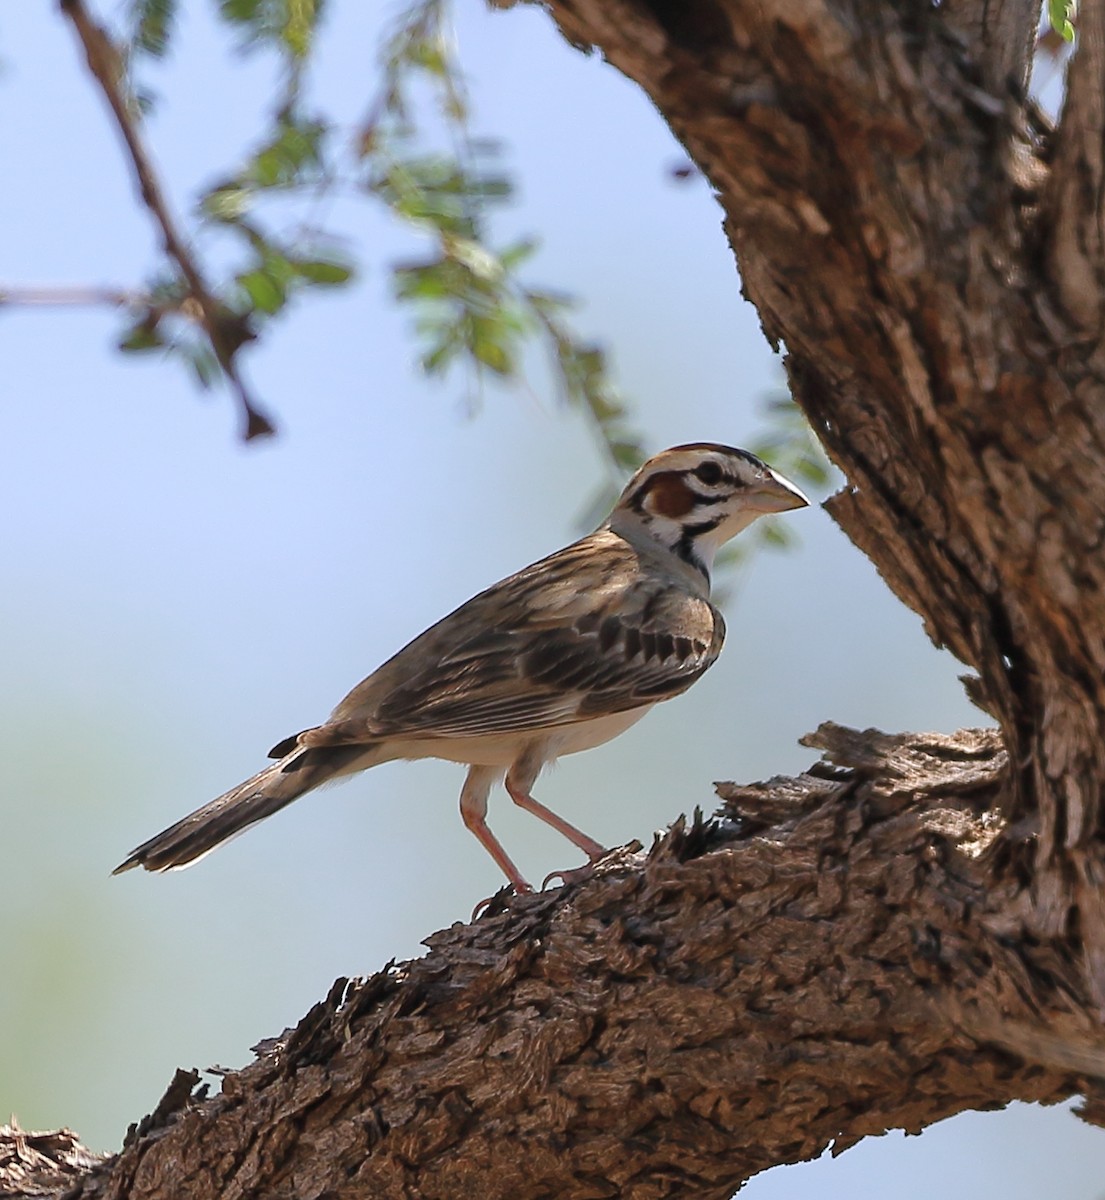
x,y
826,962
74,297
224,329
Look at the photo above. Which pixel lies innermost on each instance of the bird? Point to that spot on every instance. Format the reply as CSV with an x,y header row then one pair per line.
x,y
559,657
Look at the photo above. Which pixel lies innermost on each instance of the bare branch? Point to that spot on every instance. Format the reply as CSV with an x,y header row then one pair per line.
x,y
225,331
74,297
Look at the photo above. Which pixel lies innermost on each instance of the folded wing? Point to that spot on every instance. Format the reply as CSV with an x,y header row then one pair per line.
x,y
615,642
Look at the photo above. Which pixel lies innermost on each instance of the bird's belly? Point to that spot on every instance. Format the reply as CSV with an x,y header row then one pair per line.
x,y
585,734
503,749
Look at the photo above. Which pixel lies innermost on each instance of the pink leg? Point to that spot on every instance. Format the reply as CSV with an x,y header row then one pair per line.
x,y
473,812
518,783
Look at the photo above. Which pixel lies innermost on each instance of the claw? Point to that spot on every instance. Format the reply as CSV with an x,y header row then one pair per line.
x,y
570,875
498,903
615,857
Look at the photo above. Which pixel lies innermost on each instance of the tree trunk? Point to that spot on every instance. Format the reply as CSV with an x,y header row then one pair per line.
x,y
932,255
917,926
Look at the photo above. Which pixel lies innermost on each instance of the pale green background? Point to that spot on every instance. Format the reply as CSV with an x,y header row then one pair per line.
x,y
174,602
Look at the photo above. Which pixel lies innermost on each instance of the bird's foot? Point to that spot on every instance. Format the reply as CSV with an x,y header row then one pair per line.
x,y
570,875
493,905
618,856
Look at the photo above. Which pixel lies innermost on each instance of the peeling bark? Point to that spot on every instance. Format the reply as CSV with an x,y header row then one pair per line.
x,y
917,925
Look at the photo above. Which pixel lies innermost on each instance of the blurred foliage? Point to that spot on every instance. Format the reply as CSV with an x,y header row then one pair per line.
x,y
275,258
474,310
414,152
150,26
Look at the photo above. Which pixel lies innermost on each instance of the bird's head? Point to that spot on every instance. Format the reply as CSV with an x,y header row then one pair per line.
x,y
693,499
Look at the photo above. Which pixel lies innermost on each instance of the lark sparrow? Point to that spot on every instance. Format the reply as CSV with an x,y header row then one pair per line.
x,y
560,657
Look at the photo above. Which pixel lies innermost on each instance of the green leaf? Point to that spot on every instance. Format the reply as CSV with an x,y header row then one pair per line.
x,y
548,304
151,23
278,265
439,357
773,533
295,151
286,25
226,203
627,455
266,293
1061,16
323,272
299,26
420,281
491,344
143,335
518,253
241,12
204,364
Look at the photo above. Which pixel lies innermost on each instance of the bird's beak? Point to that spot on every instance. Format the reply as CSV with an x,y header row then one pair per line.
x,y
775,495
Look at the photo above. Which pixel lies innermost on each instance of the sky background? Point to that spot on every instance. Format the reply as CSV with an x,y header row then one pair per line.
x,y
175,601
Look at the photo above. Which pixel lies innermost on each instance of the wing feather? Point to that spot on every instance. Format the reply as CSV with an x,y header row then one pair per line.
x,y
577,635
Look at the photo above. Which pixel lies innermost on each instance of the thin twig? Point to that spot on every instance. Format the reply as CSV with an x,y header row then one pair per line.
x,y
74,297
225,331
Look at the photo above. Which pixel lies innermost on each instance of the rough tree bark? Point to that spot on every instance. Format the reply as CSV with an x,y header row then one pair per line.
x,y
917,926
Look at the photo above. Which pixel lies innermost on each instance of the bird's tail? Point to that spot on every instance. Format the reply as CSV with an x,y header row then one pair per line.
x,y
259,797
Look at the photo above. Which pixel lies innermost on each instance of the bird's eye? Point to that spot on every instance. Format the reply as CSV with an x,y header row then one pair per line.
x,y
709,472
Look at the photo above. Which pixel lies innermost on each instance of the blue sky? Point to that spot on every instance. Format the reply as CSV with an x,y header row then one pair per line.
x,y
175,602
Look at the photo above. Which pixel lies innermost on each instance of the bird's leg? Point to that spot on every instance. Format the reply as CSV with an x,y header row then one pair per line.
x,y
520,778
473,812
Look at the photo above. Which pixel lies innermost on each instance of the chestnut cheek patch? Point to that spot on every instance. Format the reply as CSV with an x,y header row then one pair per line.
x,y
669,496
